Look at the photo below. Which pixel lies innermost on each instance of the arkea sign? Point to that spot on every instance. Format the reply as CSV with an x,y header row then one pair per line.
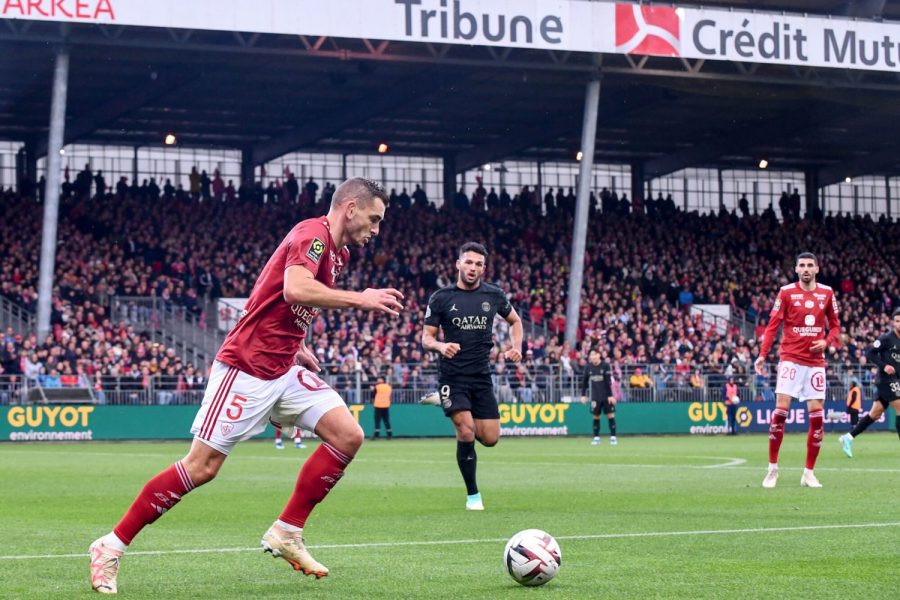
x,y
566,25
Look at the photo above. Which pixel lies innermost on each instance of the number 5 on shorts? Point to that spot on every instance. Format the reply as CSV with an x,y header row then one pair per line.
x,y
235,408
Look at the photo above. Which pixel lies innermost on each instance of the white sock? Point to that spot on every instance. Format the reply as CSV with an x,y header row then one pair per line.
x,y
773,466
807,471
111,540
288,527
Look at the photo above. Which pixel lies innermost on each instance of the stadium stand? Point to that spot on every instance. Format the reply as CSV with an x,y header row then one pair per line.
x,y
647,265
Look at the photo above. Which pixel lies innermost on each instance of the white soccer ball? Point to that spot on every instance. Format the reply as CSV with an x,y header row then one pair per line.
x,y
532,557
735,399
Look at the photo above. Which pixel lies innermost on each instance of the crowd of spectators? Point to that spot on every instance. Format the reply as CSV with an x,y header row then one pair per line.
x,y
646,264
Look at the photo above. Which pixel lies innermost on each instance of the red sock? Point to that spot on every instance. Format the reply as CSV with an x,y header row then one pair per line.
x,y
321,472
814,437
776,433
159,495
277,432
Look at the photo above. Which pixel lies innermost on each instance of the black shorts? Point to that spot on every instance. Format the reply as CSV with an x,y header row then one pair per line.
x,y
887,394
605,407
475,395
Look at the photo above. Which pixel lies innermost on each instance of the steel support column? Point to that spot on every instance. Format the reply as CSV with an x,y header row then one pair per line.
x,y
579,235
51,204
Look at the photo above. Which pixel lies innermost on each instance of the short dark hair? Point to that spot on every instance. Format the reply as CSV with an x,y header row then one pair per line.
x,y
807,255
364,190
473,247
896,313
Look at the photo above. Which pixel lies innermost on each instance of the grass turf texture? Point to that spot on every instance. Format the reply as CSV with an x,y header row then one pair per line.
x,y
644,519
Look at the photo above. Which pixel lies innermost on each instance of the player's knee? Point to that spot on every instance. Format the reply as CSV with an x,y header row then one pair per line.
x,y
465,433
202,472
349,440
489,441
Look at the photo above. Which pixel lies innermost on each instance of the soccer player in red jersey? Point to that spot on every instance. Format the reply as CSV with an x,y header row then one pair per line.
x,y
807,309
264,372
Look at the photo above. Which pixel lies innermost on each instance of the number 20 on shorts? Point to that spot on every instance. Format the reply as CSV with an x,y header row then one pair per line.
x,y
789,373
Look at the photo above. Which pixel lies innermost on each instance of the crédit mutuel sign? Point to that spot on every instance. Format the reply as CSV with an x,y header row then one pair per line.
x,y
566,25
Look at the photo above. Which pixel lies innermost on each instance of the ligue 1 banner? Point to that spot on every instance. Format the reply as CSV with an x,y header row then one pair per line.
x,y
565,25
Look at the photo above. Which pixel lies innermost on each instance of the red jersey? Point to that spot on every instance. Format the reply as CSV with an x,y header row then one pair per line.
x,y
269,332
806,315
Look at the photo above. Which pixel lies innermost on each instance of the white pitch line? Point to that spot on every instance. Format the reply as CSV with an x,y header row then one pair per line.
x,y
733,464
597,536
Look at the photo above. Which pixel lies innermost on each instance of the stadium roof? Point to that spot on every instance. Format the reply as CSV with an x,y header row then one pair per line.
x,y
271,94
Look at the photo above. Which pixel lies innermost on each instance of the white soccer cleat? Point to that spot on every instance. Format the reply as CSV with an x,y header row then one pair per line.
x,y
104,567
431,399
299,444
595,441
474,502
809,480
291,548
771,478
279,445
846,441
613,441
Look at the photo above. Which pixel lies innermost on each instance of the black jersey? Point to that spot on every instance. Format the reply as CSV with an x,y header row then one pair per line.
x,y
467,319
596,382
885,351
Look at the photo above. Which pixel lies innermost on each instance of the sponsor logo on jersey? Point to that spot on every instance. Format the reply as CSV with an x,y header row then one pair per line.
x,y
427,312
453,308
796,296
807,331
470,323
304,315
486,306
877,344
777,306
809,304
809,320
316,250
834,305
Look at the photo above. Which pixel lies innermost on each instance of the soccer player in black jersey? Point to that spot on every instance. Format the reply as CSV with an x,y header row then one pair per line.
x,y
884,353
596,385
465,313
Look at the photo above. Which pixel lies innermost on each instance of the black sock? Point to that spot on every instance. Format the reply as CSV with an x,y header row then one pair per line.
x,y
467,461
897,424
612,426
861,426
596,427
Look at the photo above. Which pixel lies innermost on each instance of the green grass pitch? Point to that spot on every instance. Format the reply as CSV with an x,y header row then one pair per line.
x,y
654,517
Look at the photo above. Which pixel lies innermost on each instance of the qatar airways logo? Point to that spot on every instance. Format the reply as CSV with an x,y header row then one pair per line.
x,y
653,30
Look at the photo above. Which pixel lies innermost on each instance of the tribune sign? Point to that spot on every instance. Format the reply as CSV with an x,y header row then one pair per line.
x,y
565,25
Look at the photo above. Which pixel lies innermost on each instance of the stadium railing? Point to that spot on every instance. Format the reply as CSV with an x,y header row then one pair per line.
x,y
549,383
13,315
169,323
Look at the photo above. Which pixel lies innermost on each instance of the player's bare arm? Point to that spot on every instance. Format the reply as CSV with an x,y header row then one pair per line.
x,y
431,343
301,287
760,365
306,358
516,332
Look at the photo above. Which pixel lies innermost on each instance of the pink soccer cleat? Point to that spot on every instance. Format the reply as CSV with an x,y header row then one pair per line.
x,y
104,567
291,548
